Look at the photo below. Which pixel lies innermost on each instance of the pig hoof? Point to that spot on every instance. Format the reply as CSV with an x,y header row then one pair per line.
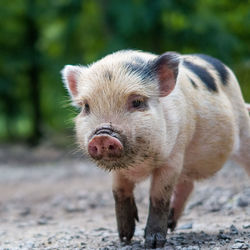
x,y
171,221
127,229
127,233
155,240
126,220
172,225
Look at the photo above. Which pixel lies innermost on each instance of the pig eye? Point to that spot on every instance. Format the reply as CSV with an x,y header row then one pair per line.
x,y
86,108
137,102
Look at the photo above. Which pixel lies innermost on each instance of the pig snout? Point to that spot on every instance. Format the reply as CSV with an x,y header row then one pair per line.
x,y
104,146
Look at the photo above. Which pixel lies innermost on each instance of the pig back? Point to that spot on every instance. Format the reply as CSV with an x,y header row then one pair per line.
x,y
214,129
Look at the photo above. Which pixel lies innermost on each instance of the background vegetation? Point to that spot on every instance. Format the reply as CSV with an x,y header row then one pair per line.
x,y
38,37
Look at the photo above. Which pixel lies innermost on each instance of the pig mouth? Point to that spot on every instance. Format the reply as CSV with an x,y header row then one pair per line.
x,y
114,163
107,130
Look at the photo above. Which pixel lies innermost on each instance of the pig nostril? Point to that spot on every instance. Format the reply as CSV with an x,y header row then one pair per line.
x,y
94,149
105,147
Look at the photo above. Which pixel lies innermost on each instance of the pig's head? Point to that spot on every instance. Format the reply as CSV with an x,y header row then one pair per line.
x,y
121,122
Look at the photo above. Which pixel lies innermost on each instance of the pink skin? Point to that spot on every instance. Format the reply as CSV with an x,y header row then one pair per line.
x,y
105,147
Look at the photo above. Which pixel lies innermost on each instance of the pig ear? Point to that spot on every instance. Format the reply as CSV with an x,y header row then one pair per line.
x,y
166,68
70,76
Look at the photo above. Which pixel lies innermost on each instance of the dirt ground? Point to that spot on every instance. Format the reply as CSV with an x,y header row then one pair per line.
x,y
53,199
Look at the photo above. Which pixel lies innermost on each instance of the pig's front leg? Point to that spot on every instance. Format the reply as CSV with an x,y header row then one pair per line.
x,y
125,207
157,223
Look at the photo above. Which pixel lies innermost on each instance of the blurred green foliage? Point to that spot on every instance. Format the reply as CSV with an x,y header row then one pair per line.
x,y
38,37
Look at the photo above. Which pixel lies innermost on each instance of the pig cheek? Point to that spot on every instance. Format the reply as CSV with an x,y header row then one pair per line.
x,y
83,131
148,132
142,131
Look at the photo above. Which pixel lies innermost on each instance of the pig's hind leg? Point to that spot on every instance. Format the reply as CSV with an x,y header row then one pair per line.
x,y
180,196
243,155
125,207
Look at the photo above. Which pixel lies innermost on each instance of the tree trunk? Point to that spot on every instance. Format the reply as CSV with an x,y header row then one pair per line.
x,y
33,71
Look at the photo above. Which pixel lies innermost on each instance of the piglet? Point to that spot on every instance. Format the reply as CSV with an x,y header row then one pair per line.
x,y
175,118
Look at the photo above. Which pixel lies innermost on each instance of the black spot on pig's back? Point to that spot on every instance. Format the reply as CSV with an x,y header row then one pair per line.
x,y
218,66
206,78
193,83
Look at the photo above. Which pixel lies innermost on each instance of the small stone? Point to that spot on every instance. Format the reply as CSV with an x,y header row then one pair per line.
x,y
105,239
190,248
74,209
186,226
30,245
193,248
246,226
233,230
222,236
179,248
126,248
37,235
92,205
212,243
237,246
42,221
239,241
25,212
242,203
100,229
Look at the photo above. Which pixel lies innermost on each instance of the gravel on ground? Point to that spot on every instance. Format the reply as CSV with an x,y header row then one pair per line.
x,y
51,199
